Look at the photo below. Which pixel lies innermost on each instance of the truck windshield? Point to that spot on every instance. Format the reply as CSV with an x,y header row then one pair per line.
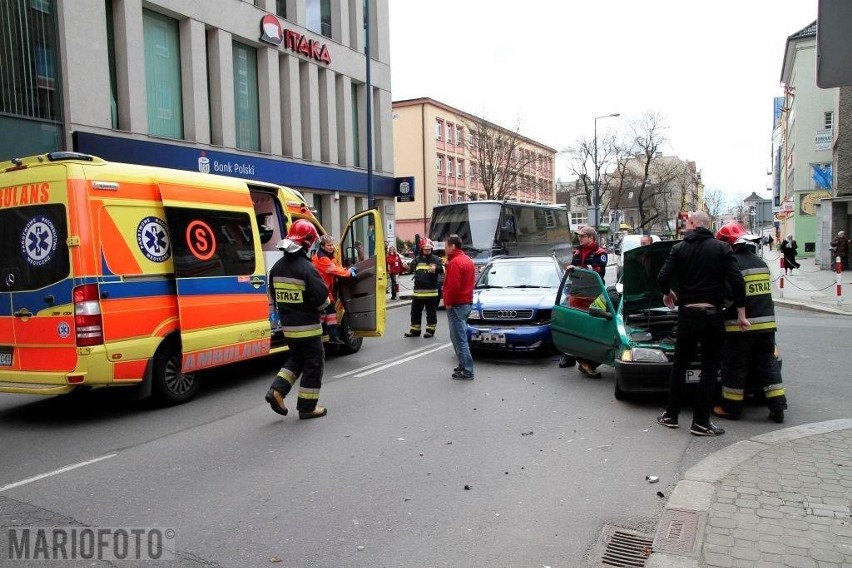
x,y
476,225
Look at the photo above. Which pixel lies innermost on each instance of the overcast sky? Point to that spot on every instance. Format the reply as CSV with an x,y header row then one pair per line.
x,y
711,68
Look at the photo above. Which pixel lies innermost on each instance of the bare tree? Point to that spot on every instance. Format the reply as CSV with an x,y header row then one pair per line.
x,y
714,202
649,138
505,167
580,157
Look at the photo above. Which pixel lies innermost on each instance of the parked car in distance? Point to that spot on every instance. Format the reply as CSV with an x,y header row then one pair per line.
x,y
629,242
635,332
512,304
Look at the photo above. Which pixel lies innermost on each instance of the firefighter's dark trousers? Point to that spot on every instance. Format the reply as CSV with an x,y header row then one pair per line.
x,y
417,306
306,360
749,358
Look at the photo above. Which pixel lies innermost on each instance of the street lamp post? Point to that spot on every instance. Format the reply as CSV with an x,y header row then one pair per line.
x,y
597,185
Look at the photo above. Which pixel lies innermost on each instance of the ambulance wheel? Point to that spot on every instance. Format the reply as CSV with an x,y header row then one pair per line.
x,y
351,344
169,385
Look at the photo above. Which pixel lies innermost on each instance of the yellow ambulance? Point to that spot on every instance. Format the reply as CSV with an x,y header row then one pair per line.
x,y
124,275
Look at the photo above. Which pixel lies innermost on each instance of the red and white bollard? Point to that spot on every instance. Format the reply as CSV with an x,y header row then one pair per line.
x,y
781,278
838,269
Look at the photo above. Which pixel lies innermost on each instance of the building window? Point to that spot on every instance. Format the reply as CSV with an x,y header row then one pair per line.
x,y
459,135
162,75
450,170
318,14
829,120
281,8
460,169
41,5
246,110
439,129
474,173
356,135
440,198
449,132
439,164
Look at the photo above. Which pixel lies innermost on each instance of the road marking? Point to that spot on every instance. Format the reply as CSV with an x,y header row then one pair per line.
x,y
55,472
393,361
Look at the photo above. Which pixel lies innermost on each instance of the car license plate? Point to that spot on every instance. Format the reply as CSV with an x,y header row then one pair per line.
x,y
497,338
694,376
5,356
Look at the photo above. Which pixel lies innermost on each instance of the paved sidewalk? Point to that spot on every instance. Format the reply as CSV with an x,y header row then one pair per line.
x,y
779,499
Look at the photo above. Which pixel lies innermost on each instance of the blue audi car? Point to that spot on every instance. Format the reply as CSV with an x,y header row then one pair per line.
x,y
512,303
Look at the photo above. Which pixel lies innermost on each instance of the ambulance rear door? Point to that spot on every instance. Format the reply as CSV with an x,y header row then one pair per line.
x,y
221,285
363,246
36,308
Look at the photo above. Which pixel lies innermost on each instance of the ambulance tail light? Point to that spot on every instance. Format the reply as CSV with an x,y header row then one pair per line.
x,y
87,316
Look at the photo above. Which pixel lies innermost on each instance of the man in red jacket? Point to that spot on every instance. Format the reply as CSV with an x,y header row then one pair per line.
x,y
458,297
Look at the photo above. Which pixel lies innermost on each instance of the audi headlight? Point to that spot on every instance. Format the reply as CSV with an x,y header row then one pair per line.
x,y
644,355
475,315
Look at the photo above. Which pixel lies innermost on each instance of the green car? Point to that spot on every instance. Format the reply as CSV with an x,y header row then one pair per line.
x,y
625,326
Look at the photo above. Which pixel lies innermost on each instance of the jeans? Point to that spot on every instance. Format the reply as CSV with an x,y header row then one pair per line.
x,y
457,325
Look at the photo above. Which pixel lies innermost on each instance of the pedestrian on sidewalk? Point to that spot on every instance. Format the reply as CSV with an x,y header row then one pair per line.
x,y
750,354
702,267
458,298
427,268
300,296
840,247
330,272
395,268
788,249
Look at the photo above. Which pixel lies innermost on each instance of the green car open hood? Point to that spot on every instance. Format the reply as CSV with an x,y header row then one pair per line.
x,y
639,276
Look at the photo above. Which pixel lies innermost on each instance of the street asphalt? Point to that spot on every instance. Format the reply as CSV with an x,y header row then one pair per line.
x,y
782,498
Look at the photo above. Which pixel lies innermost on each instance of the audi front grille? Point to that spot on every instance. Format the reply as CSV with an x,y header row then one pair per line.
x,y
507,315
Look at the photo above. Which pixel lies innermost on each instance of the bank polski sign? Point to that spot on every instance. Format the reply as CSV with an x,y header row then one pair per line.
x,y
227,167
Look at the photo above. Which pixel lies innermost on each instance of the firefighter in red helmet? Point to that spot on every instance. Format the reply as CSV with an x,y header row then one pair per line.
x,y
300,296
751,352
427,268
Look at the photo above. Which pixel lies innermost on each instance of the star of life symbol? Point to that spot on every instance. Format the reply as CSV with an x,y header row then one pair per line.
x,y
63,329
152,236
38,240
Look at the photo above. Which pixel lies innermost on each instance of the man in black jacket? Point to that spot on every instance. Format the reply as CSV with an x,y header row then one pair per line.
x,y
300,296
699,267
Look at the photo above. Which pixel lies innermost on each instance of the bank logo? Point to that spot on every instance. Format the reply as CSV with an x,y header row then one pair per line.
x,y
404,188
152,236
204,164
38,240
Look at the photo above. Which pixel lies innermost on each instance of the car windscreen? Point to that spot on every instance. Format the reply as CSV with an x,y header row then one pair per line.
x,y
519,275
33,247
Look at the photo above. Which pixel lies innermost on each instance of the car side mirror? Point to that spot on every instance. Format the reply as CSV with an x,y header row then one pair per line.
x,y
599,313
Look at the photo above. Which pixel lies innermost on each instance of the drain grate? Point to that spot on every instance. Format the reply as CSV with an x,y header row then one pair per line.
x,y
626,548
